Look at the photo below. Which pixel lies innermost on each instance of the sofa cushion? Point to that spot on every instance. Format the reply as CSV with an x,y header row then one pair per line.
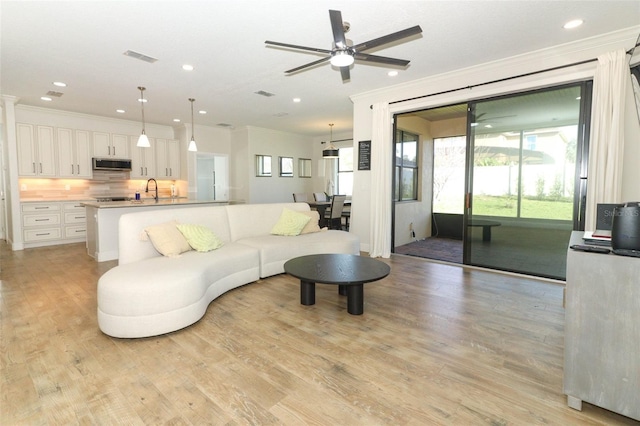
x,y
199,237
167,239
313,225
290,223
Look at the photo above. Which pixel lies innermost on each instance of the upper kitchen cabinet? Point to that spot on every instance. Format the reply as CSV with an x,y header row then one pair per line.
x,y
36,156
74,153
107,145
168,158
143,160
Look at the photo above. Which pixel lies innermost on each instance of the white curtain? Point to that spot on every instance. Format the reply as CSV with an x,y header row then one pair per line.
x,y
606,144
381,191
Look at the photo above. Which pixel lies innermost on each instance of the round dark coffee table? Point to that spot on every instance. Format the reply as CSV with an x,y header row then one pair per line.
x,y
348,271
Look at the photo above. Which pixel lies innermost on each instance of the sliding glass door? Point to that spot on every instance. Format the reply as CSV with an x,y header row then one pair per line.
x,y
522,183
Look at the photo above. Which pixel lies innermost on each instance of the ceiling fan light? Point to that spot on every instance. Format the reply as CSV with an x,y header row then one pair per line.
x,y
341,58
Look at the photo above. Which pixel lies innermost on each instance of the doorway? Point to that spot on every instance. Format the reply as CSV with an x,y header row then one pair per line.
x,y
522,192
212,176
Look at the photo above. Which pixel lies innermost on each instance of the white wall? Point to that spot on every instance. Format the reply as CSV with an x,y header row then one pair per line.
x,y
416,215
252,141
463,79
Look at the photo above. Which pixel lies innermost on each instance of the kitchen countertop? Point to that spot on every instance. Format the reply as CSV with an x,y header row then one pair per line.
x,y
149,203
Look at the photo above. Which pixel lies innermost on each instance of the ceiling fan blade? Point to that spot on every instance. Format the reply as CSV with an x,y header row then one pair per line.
x,y
310,64
293,46
346,76
389,38
338,28
381,59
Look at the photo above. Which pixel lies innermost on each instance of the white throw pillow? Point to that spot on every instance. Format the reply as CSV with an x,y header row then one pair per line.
x,y
313,224
167,239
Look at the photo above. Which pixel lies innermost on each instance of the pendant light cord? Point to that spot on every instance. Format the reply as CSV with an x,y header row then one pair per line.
x,y
142,89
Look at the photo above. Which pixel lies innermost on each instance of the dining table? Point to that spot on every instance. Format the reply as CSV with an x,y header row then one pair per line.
x,y
322,206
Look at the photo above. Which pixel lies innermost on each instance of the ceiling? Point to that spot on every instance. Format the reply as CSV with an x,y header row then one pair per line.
x,y
82,44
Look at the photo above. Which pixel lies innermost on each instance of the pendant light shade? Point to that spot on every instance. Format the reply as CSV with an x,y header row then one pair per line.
x,y
192,142
143,140
331,151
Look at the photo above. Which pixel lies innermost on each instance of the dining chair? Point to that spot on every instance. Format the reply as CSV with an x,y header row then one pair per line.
x,y
321,196
334,219
299,197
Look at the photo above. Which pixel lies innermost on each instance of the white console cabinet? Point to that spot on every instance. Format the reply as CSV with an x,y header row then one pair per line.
x,y
602,331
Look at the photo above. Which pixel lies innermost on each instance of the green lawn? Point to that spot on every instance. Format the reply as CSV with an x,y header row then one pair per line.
x,y
531,208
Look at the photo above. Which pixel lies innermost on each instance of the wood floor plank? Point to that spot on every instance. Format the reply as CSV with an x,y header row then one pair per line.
x,y
437,344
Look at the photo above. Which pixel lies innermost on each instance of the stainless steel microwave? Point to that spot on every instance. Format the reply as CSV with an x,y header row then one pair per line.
x,y
112,164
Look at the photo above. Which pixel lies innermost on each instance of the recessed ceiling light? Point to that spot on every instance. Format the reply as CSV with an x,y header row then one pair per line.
x,y
578,98
120,111
488,126
45,98
59,84
297,100
176,120
573,24
202,111
392,73
187,67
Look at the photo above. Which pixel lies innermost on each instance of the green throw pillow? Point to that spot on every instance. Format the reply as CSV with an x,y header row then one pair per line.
x,y
290,223
199,237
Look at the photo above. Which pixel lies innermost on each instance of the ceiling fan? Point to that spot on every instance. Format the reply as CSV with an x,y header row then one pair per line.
x,y
342,55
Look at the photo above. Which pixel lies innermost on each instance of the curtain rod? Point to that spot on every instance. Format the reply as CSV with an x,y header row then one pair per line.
x,y
628,52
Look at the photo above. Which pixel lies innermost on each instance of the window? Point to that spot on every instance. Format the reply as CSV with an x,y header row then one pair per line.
x,y
345,171
448,174
304,167
286,166
406,170
263,165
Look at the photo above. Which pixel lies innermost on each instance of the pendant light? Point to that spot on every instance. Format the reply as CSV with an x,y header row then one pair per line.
x,y
192,143
331,151
143,140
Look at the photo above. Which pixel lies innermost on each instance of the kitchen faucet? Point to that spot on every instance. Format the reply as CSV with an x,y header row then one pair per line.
x,y
147,188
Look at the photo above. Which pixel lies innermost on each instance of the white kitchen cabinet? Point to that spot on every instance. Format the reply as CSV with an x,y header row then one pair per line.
x,y
143,160
41,222
74,153
168,158
36,150
53,223
75,221
107,145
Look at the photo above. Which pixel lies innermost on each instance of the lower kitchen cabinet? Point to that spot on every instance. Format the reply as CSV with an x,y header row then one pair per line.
x,y
52,223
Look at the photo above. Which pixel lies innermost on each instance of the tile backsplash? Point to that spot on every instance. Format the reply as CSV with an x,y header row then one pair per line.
x,y
103,184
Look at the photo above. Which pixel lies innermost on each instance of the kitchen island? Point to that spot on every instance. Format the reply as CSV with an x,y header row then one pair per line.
x,y
103,218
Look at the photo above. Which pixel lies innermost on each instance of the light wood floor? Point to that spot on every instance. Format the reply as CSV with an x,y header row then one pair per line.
x,y
436,345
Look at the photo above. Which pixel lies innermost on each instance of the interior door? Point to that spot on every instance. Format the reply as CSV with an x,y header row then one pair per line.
x,y
522,157
212,176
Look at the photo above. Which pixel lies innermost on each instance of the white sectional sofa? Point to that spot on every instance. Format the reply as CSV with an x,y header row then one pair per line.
x,y
149,294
